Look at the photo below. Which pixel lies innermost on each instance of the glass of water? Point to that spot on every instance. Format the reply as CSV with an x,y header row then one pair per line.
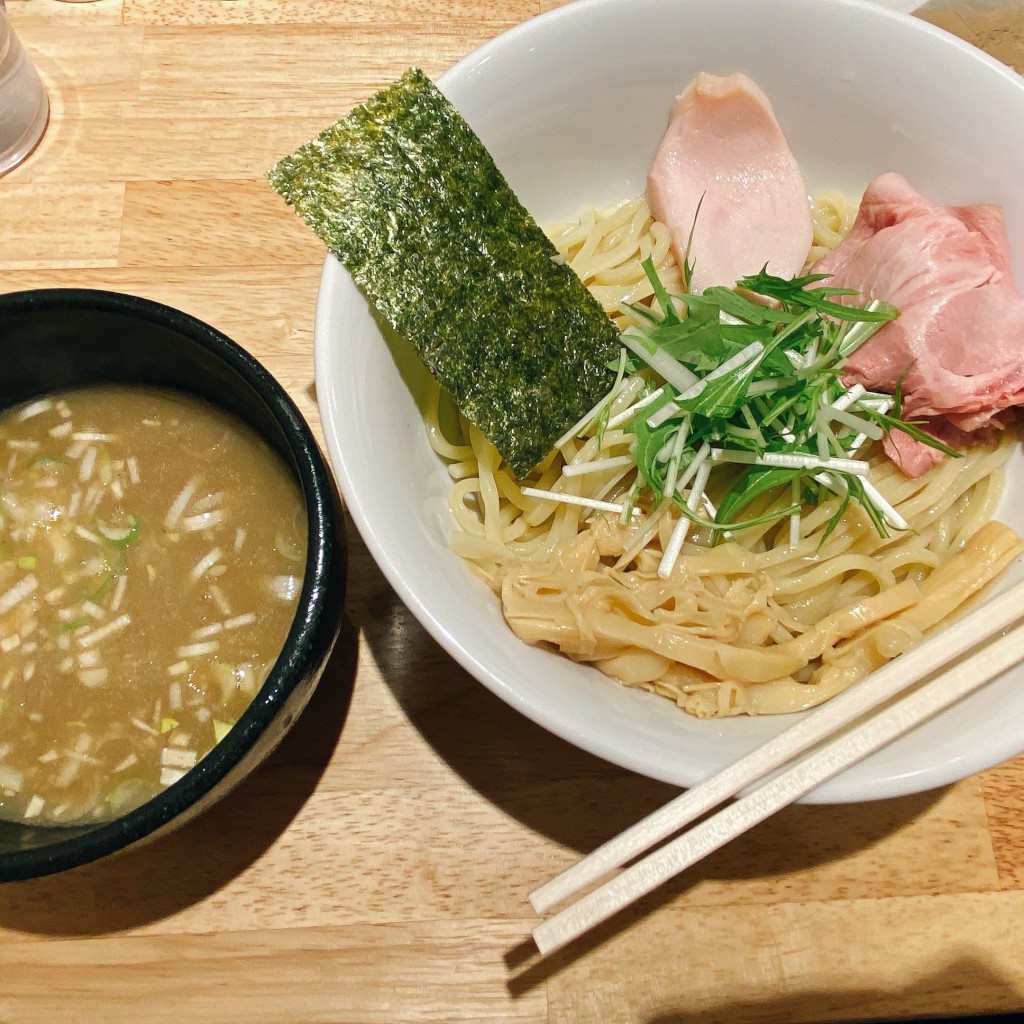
x,y
24,107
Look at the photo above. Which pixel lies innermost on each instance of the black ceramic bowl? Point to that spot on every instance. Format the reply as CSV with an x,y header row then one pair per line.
x,y
61,338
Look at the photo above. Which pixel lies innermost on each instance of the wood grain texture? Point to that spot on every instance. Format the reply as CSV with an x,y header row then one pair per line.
x,y
376,869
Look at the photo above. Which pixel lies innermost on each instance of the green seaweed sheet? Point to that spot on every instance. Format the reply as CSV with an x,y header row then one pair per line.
x,y
407,196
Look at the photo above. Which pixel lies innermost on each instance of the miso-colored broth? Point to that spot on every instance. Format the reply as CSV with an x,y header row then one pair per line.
x,y
151,557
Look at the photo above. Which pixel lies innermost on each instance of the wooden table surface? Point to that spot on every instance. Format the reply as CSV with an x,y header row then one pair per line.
x,y
376,870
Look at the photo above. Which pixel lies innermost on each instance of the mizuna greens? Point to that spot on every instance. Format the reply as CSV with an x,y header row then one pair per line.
x,y
752,378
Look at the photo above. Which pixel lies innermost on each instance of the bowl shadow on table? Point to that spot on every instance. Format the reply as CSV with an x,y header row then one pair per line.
x,y
156,879
564,793
927,999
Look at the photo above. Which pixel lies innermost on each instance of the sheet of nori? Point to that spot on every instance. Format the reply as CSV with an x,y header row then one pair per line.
x,y
407,196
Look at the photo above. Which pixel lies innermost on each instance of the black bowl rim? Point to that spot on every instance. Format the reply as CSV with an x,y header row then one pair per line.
x,y
315,598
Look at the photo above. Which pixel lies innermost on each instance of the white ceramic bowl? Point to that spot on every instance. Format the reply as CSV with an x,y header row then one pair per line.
x,y
572,105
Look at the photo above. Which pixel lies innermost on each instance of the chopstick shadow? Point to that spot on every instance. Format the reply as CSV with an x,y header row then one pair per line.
x,y
155,880
570,796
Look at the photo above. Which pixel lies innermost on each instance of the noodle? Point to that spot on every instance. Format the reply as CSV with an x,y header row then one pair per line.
x,y
762,622
832,216
606,250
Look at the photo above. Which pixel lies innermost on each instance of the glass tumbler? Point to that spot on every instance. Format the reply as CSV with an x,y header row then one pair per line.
x,y
24,107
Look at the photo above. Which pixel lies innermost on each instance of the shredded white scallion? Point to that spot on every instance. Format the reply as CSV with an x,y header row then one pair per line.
x,y
658,359
207,562
567,499
674,456
211,501
889,514
198,650
682,527
201,521
11,780
854,422
791,460
588,417
104,631
674,547
168,776
703,455
845,400
641,403
93,677
744,356
764,387
119,588
180,502
34,807
122,766
21,590
173,757
663,415
220,599
87,464
35,409
205,631
598,465
92,435
794,519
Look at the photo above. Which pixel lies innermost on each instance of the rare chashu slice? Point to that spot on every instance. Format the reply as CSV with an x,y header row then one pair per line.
x,y
725,151
956,352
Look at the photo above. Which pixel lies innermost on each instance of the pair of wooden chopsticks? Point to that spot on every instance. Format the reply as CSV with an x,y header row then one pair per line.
x,y
956,662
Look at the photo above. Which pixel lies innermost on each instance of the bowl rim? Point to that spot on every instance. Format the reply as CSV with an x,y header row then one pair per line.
x,y
324,555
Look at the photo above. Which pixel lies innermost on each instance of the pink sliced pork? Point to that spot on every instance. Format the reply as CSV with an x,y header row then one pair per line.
x,y
957,349
724,149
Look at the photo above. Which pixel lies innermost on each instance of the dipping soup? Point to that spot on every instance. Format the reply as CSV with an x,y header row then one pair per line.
x,y
151,556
